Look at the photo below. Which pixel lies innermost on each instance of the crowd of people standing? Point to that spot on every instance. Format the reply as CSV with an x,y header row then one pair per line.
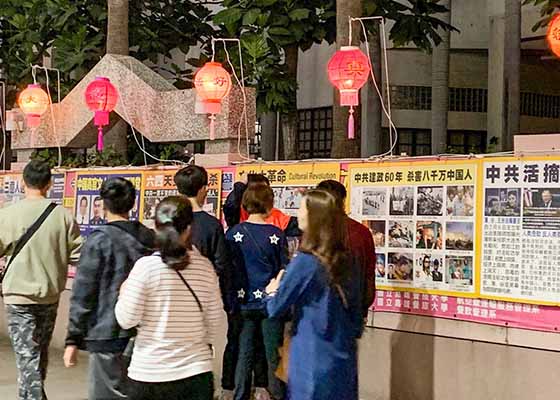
x,y
147,305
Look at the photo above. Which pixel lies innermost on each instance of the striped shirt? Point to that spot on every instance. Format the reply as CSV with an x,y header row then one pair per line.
x,y
174,336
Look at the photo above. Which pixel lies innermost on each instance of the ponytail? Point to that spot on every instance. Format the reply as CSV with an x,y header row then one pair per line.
x,y
173,218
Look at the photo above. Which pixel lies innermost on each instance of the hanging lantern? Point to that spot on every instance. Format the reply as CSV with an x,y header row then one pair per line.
x,y
348,71
33,101
212,83
101,98
553,35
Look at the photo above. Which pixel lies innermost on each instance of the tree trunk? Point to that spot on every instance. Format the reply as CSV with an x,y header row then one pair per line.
x,y
440,86
372,136
512,56
342,147
117,43
117,27
289,120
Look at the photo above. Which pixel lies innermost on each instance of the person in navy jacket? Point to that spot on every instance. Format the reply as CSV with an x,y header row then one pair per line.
x,y
259,252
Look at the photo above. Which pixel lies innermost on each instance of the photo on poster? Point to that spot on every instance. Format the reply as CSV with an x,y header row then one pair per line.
x,y
289,198
429,235
83,210
460,201
374,202
428,268
150,204
380,271
459,270
541,202
401,234
502,202
430,201
97,216
459,236
400,267
401,200
134,214
377,229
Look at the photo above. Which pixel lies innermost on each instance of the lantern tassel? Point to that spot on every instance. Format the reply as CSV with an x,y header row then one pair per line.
x,y
100,139
351,124
212,127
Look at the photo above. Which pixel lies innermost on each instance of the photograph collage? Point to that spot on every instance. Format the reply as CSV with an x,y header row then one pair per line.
x,y
424,236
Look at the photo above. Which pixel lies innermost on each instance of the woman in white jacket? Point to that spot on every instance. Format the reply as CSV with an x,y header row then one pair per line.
x,y
173,298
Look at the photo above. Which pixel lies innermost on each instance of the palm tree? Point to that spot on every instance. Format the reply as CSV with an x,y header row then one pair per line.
x,y
440,86
342,147
117,27
117,43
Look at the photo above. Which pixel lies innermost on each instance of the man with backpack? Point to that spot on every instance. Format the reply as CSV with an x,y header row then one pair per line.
x,y
107,258
40,239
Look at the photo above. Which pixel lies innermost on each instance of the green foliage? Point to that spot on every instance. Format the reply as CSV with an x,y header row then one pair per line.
x,y
109,157
414,20
548,9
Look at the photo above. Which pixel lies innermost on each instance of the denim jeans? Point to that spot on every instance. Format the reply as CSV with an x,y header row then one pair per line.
x,y
231,355
254,324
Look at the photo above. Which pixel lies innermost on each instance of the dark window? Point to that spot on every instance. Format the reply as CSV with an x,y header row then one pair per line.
x,y
466,142
413,142
315,128
540,105
420,98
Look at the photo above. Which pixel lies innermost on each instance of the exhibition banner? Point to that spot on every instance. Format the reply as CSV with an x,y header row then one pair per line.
x,y
89,210
423,221
521,230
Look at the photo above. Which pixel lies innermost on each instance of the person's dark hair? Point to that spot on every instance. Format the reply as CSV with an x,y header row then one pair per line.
x,y
255,179
258,199
118,195
84,199
190,180
98,198
326,236
335,188
174,215
37,174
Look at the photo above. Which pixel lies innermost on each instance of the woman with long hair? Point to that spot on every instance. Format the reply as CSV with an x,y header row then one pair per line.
x,y
326,311
173,299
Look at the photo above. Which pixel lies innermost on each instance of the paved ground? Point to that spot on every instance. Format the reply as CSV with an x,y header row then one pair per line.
x,y
62,383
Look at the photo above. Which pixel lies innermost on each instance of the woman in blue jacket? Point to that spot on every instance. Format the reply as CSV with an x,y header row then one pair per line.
x,y
327,318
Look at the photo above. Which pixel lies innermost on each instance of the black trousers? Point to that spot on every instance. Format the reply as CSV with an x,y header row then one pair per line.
x,y
231,355
198,387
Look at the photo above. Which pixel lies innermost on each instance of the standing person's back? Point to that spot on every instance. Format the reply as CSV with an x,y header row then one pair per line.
x,y
173,299
36,276
323,361
105,263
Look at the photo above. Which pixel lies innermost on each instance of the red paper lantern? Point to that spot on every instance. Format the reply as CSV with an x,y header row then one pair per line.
x,y
33,101
348,71
101,98
212,83
553,35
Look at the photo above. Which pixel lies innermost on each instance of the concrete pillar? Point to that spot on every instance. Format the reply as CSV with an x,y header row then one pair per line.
x,y
440,86
504,56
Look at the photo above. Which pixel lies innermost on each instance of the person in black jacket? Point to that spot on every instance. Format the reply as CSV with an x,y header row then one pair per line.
x,y
106,260
207,232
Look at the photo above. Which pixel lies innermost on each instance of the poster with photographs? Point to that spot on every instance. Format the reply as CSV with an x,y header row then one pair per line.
x,y
422,221
56,192
89,210
159,184
521,230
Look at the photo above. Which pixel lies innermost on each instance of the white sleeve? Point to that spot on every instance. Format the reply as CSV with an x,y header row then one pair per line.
x,y
130,306
213,308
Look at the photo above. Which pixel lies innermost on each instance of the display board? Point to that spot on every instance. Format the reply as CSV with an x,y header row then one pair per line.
x,y
521,230
290,181
422,219
158,184
89,211
12,189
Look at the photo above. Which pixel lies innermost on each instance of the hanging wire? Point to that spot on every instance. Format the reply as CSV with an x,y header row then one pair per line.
x,y
244,117
34,74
